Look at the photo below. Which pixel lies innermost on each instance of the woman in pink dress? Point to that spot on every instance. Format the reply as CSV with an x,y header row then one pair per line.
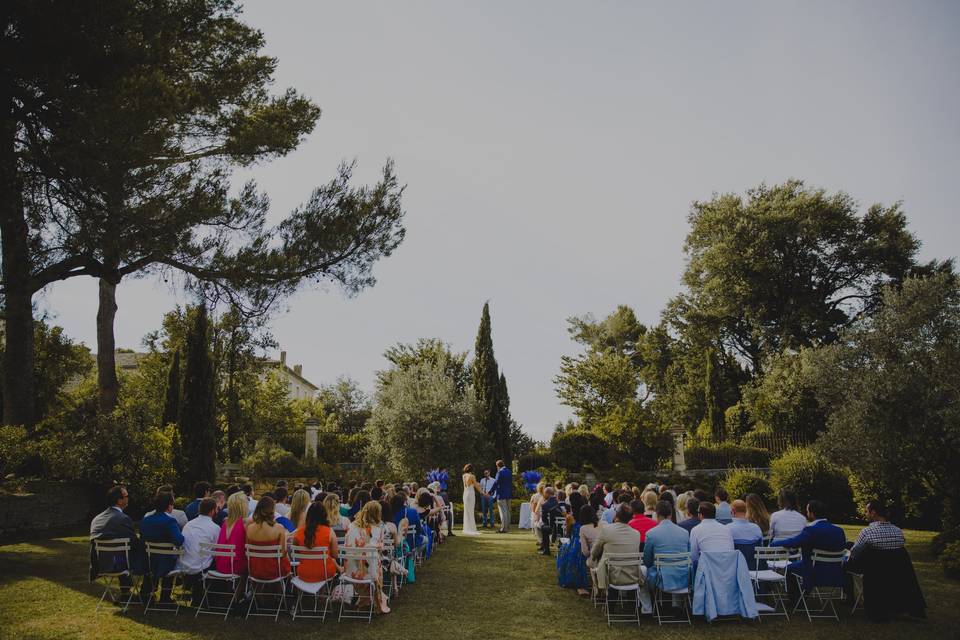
x,y
233,532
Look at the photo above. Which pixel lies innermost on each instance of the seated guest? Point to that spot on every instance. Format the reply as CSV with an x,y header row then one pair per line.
x,y
176,514
649,505
609,500
709,535
693,514
361,497
589,530
701,496
724,516
199,531
787,522
263,531
366,532
550,510
339,523
879,534
299,504
316,532
572,569
640,521
669,497
619,498
161,526
220,498
112,524
280,496
666,537
201,490
819,534
619,538
743,530
247,489
233,532
757,512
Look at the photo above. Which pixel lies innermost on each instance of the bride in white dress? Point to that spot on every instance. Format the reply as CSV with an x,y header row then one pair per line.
x,y
470,487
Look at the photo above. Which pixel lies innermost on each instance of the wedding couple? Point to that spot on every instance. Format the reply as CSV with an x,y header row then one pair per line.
x,y
502,491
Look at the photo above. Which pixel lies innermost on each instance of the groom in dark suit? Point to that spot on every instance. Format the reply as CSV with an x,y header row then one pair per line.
x,y
503,492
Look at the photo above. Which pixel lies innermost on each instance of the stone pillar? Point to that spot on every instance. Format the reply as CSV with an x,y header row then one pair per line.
x,y
679,464
312,427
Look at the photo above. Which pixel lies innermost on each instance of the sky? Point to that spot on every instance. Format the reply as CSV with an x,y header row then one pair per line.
x,y
551,151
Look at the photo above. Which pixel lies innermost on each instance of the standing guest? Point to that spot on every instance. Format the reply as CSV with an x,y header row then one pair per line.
x,y
220,499
280,496
247,489
640,520
160,526
709,535
263,531
201,490
819,534
666,537
112,524
787,522
486,502
314,533
366,532
233,532
176,514
757,512
724,515
742,530
879,534
194,561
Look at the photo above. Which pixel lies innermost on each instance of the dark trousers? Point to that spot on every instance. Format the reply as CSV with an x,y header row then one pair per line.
x,y
446,501
546,534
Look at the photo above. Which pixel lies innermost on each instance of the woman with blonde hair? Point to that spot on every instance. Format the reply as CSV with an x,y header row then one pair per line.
x,y
366,532
584,490
535,501
757,512
299,504
233,532
650,499
332,504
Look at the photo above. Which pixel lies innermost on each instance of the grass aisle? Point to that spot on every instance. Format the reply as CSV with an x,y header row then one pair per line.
x,y
492,587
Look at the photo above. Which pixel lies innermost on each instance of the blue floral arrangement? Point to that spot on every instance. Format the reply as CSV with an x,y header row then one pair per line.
x,y
435,475
531,479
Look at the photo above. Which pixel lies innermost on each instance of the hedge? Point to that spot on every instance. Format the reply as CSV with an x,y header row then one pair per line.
x,y
725,456
812,476
740,482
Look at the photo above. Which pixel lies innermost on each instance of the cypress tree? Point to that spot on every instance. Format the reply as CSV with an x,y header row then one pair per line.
x,y
486,385
197,427
503,400
171,408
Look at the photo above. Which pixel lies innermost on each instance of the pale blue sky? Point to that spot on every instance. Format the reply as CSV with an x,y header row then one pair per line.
x,y
552,149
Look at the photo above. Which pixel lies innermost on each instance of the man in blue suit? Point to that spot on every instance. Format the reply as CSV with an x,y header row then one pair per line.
x,y
819,534
503,492
160,526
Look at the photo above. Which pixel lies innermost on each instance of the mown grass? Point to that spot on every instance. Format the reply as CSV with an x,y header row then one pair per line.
x,y
492,587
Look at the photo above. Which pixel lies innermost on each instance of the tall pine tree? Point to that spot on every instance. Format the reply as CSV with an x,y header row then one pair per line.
x,y
197,426
490,390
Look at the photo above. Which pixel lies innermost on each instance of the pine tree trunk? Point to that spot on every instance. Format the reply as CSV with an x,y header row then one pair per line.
x,y
108,386
18,376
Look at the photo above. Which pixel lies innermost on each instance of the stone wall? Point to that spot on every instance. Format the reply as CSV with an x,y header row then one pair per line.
x,y
37,505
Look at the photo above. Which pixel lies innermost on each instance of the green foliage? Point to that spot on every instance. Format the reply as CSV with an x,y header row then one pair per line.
x,y
596,383
196,443
725,456
634,437
268,460
950,560
171,406
943,539
575,448
534,459
812,476
740,482
783,399
422,419
490,390
891,390
15,448
347,402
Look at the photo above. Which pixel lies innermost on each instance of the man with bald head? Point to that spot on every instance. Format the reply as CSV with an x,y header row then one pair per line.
x,y
742,529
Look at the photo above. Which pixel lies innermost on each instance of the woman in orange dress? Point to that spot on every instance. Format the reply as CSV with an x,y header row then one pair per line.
x,y
317,533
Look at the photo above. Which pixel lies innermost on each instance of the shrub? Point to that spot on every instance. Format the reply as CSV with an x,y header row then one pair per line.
x,y
740,482
574,448
950,560
725,456
15,449
270,460
944,539
539,457
812,476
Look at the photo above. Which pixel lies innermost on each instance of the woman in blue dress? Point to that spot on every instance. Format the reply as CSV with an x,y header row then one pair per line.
x,y
572,572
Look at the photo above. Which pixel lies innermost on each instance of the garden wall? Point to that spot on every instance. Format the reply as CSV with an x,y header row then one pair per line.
x,y
37,505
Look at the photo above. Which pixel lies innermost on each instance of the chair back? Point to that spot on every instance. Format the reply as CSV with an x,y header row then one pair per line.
x,y
623,561
673,563
269,551
157,551
764,555
784,535
220,550
300,554
827,567
110,551
369,555
747,548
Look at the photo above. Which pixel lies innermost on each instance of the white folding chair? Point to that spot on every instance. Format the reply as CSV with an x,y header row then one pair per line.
x,y
115,553
775,581
826,595
317,590
156,551
857,579
259,586
671,562
387,557
629,561
211,577
368,556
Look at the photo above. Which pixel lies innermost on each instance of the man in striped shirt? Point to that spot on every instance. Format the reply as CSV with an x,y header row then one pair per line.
x,y
880,533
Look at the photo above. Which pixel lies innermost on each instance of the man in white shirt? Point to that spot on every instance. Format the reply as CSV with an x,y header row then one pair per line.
x,y
740,528
709,535
787,522
200,530
486,502
251,501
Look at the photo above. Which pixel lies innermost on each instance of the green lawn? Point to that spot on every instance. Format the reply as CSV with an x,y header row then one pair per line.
x,y
494,587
